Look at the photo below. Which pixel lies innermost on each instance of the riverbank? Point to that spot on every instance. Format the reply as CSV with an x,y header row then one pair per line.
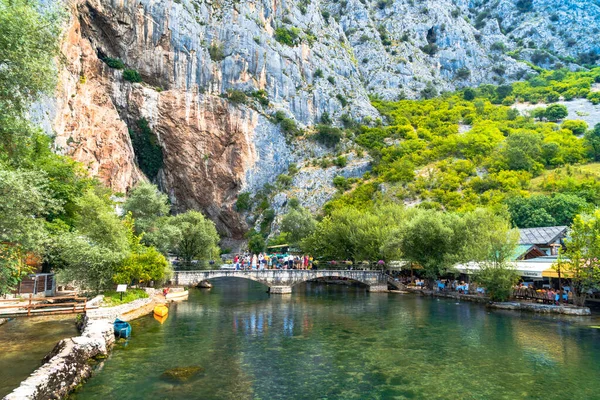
x,y
513,305
69,364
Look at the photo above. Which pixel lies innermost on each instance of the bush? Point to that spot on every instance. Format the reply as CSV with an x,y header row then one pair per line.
x,y
236,96
327,135
340,162
132,75
319,73
463,73
498,280
243,202
341,183
114,63
556,112
216,52
262,97
287,36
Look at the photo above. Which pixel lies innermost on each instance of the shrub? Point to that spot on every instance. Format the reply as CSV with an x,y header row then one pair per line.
x,y
327,135
243,202
114,63
326,119
132,75
236,96
430,49
331,80
340,162
319,73
216,52
287,36
261,96
342,100
284,180
556,112
341,183
463,73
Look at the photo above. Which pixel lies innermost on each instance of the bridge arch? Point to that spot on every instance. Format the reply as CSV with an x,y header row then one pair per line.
x,y
282,281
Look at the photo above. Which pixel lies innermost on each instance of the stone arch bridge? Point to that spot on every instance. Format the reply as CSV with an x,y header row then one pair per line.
x,y
281,281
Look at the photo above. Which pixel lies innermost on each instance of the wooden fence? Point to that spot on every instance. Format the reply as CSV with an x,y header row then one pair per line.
x,y
44,306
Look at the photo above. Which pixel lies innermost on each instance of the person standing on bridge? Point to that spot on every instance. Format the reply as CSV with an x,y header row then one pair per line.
x,y
261,261
254,261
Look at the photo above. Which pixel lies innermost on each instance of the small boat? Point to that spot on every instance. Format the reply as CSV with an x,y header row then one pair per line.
x,y
161,310
122,329
176,296
161,319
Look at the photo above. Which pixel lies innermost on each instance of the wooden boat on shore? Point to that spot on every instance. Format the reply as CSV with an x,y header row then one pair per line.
x,y
177,296
161,310
122,329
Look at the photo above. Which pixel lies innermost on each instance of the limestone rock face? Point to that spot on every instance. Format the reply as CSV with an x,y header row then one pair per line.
x,y
309,57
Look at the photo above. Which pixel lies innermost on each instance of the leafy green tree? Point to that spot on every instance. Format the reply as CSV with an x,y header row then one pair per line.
x,y
498,279
578,127
556,112
298,224
198,238
28,45
257,243
592,140
581,259
541,210
146,205
143,264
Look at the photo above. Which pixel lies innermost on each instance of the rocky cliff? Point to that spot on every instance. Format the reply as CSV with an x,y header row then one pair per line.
x,y
303,57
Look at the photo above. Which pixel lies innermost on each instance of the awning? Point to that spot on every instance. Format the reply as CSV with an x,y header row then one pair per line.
x,y
530,269
565,272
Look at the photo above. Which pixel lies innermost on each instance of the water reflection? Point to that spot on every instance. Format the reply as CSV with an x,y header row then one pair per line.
x,y
345,343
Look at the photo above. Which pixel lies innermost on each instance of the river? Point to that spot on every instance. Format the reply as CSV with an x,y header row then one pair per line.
x,y
24,342
335,342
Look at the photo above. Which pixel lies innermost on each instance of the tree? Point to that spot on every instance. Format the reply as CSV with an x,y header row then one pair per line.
x,y
498,279
198,237
146,205
143,264
257,243
429,239
592,140
298,223
26,201
28,45
581,259
556,112
578,127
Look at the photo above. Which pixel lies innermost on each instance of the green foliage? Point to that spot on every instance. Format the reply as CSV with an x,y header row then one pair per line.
x,y
236,96
498,280
256,243
148,151
340,161
115,63
298,224
198,239
556,112
216,52
262,96
132,75
147,205
243,202
341,183
113,298
328,135
542,210
288,125
288,36
28,45
581,259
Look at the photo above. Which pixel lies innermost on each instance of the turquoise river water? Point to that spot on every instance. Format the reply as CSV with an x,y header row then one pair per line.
x,y
333,342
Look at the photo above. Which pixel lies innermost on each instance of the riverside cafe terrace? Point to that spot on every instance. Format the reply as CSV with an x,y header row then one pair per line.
x,y
538,270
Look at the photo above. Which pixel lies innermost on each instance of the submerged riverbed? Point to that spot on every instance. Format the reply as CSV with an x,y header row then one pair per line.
x,y
24,342
335,342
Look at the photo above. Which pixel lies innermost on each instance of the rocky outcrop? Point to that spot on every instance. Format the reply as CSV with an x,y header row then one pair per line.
x,y
309,58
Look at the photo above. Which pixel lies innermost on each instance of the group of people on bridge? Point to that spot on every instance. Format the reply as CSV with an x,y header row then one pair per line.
x,y
264,261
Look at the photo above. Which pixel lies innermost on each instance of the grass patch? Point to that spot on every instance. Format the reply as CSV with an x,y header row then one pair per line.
x,y
112,298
